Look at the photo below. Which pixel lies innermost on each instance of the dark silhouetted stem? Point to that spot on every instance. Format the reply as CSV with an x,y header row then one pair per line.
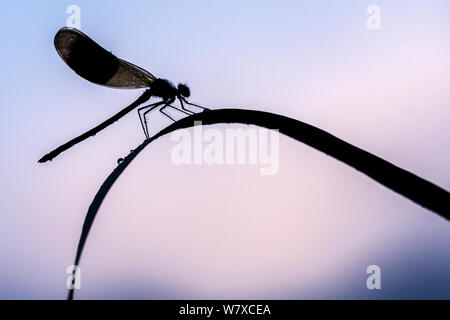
x,y
414,188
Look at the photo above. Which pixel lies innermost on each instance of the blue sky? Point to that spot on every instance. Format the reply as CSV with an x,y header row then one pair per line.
x,y
385,91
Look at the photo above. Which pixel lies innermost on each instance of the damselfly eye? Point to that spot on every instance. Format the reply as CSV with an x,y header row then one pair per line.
x,y
184,90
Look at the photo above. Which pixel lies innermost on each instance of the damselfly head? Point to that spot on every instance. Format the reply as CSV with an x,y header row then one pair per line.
x,y
184,90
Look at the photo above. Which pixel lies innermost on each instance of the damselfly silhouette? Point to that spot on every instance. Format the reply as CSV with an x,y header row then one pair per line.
x,y
95,64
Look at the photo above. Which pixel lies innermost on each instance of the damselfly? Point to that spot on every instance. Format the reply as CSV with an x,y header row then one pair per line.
x,y
95,64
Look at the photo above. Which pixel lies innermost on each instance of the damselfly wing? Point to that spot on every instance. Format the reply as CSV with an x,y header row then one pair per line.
x,y
95,64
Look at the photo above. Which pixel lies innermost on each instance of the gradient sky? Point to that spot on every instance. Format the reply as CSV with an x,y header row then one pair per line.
x,y
308,232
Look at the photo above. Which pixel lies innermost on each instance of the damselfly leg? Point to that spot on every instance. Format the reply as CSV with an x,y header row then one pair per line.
x,y
191,104
167,104
148,108
170,106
